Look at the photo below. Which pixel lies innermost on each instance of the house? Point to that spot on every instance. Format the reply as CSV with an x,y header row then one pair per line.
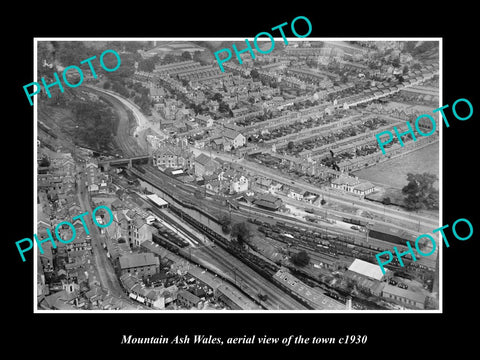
x,y
81,241
364,188
353,185
345,182
234,137
275,187
122,225
172,156
296,193
188,300
205,165
243,110
136,290
204,121
166,124
228,139
239,184
133,225
263,183
142,265
182,115
157,94
92,177
180,126
214,185
140,231
226,175
117,205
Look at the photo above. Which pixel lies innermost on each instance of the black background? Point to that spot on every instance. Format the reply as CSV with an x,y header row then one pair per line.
x,y
95,334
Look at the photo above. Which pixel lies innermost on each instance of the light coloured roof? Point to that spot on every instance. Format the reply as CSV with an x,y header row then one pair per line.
x,y
345,179
157,199
367,269
364,186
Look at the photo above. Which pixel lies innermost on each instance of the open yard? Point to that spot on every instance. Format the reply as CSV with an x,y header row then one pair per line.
x,y
393,173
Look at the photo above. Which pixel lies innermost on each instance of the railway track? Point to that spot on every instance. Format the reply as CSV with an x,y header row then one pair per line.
x,y
253,284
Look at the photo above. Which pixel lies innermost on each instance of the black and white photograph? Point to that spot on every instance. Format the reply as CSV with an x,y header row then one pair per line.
x,y
211,181
255,183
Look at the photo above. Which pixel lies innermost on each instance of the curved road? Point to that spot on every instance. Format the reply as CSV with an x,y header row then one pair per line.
x,y
123,139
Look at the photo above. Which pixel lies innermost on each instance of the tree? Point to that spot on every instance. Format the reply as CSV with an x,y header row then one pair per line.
x,y
223,107
217,97
44,162
107,85
386,201
242,232
254,74
323,202
225,222
169,58
147,65
197,56
186,55
420,192
300,259
290,145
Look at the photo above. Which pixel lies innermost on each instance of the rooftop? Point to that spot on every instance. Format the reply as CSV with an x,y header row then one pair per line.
x,y
319,300
137,260
405,293
367,269
189,296
204,159
364,186
345,179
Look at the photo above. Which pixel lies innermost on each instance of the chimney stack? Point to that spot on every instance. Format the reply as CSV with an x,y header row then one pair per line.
x,y
349,303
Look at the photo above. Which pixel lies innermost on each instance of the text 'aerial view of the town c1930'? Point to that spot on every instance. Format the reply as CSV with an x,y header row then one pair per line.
x,y
252,186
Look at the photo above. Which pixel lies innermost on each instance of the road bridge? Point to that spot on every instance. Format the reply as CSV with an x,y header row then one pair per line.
x,y
128,162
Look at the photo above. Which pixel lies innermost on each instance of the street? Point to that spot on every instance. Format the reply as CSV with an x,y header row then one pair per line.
x,y
108,278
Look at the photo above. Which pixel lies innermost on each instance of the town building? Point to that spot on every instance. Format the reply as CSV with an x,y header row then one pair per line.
x,y
140,231
296,193
369,270
205,165
204,121
142,265
269,202
238,184
228,140
312,296
352,184
188,300
157,94
172,156
404,297
367,277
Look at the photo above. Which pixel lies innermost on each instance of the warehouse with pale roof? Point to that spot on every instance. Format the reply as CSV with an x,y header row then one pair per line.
x,y
368,270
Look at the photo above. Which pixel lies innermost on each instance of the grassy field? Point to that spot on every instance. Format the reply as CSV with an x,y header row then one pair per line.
x,y
393,173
